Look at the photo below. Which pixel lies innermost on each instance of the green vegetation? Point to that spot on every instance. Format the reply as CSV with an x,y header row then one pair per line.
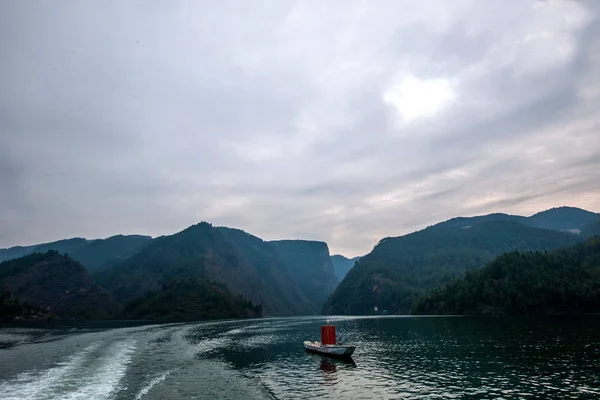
x,y
55,284
400,269
564,281
12,309
341,265
103,253
245,263
190,299
563,218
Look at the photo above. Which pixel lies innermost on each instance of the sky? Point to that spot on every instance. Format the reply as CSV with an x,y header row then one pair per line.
x,y
341,121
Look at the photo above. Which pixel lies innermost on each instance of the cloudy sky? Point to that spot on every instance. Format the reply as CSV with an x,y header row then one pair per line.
x,y
343,121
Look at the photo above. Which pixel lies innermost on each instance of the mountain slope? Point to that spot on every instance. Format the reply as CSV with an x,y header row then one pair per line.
x,y
93,254
62,246
57,285
562,218
102,253
203,251
341,265
282,286
592,229
311,267
190,299
399,269
565,281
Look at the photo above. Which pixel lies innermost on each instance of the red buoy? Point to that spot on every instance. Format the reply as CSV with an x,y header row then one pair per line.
x,y
328,334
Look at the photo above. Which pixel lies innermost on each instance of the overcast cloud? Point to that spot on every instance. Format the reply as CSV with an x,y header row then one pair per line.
x,y
342,121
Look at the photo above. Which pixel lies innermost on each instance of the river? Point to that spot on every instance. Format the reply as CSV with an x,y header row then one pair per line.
x,y
396,358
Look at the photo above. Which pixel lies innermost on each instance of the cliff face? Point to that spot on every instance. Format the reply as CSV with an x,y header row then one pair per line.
x,y
310,264
58,285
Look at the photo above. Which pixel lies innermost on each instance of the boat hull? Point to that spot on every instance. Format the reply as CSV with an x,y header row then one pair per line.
x,y
333,350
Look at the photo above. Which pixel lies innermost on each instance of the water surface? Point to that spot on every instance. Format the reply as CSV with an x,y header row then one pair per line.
x,y
396,358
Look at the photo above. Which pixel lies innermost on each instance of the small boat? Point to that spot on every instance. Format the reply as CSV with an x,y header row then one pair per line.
x,y
328,344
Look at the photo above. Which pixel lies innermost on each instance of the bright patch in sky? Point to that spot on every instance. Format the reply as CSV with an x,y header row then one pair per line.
x,y
415,98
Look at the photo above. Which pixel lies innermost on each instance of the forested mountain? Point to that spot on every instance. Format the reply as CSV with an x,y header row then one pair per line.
x,y
52,285
401,268
103,253
310,264
564,281
190,299
245,264
283,289
341,265
93,254
592,229
563,218
559,218
62,246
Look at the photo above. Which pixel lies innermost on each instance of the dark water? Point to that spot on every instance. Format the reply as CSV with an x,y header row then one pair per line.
x,y
396,358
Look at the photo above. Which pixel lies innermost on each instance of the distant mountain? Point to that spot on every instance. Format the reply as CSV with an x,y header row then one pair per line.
x,y
311,267
62,246
399,269
467,222
15,252
190,299
103,253
93,254
52,285
341,265
564,281
560,219
563,218
244,263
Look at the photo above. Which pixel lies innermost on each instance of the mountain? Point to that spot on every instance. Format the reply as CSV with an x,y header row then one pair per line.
x,y
102,253
560,218
341,265
592,229
467,222
55,285
563,218
311,267
15,252
564,281
281,284
399,269
62,246
93,254
190,299
244,263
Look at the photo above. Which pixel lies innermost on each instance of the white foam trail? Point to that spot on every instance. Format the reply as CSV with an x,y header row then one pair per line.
x,y
33,384
210,344
86,375
101,381
144,391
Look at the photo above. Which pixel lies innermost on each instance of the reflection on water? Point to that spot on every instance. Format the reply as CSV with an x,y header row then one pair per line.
x,y
407,358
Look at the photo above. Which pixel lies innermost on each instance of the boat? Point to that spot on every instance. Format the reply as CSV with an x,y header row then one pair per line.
x,y
328,344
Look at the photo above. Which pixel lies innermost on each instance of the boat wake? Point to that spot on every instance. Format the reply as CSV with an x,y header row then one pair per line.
x,y
93,373
144,391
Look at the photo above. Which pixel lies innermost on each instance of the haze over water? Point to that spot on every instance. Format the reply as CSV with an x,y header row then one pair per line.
x,y
396,357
